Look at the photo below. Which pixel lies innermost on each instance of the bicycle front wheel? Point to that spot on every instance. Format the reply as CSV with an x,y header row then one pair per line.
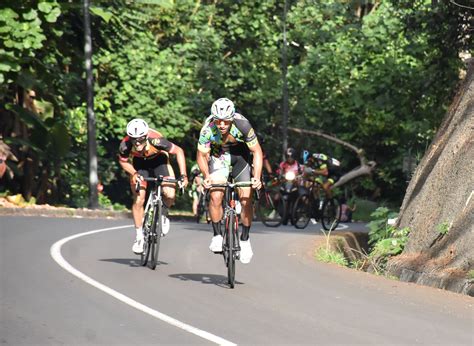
x,y
145,255
271,209
302,211
200,208
229,244
155,236
331,214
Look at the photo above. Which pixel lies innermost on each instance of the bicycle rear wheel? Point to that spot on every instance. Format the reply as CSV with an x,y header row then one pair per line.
x,y
331,214
302,211
229,244
155,236
270,209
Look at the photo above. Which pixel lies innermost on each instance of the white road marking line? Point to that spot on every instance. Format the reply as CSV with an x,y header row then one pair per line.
x,y
56,254
342,226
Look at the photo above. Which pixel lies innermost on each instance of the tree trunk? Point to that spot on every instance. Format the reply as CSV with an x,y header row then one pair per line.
x,y
439,203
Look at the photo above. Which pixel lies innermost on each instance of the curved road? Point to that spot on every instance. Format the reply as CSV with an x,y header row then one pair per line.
x,y
282,297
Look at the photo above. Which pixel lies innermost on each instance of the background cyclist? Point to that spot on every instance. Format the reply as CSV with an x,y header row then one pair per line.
x,y
317,165
196,178
228,138
144,152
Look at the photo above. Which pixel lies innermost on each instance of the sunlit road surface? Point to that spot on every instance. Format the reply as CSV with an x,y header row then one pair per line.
x,y
76,281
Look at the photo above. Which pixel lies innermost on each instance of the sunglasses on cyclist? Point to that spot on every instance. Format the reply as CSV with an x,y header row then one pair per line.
x,y
223,122
139,140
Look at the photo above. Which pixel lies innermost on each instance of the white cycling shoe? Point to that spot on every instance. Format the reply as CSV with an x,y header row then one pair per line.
x,y
137,247
246,252
216,243
165,225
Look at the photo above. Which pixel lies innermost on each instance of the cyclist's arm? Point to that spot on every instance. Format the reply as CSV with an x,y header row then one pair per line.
x,y
201,159
178,151
257,160
267,166
203,150
127,167
321,171
123,157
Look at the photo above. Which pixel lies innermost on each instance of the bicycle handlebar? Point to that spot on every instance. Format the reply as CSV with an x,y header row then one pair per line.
x,y
160,179
237,184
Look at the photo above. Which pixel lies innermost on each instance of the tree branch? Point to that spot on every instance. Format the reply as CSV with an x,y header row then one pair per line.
x,y
365,168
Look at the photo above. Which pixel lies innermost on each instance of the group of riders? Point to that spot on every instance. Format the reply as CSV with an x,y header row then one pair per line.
x,y
228,147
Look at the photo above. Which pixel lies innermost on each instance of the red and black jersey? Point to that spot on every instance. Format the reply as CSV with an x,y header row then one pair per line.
x,y
156,145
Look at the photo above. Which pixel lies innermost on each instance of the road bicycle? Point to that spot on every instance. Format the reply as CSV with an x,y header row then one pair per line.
x,y
152,229
231,241
271,207
312,205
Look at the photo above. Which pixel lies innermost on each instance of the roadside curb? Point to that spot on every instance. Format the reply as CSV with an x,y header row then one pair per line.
x,y
457,285
352,245
66,212
79,213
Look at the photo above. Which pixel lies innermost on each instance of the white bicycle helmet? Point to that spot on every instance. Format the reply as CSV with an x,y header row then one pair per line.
x,y
137,128
223,109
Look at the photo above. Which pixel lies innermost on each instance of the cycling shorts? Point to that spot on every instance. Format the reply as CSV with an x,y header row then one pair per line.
x,y
237,166
159,165
323,179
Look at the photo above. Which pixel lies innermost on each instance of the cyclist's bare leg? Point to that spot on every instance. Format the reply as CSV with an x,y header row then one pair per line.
x,y
137,207
169,194
195,204
327,189
245,197
215,205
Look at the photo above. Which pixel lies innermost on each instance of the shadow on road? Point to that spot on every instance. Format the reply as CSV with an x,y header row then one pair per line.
x,y
312,229
128,261
207,279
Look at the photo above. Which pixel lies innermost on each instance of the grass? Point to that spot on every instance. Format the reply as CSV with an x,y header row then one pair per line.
x,y
470,275
327,255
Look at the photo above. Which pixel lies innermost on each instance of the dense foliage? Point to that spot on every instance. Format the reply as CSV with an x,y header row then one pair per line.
x,y
377,74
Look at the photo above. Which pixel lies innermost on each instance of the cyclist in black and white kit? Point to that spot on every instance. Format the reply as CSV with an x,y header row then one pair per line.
x,y
226,140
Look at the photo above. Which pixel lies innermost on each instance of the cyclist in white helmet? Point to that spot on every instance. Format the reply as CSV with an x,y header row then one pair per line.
x,y
144,152
226,140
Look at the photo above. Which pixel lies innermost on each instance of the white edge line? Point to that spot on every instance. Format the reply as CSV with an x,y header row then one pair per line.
x,y
56,255
342,226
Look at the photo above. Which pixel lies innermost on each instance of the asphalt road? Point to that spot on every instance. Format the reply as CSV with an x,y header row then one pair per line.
x,y
91,290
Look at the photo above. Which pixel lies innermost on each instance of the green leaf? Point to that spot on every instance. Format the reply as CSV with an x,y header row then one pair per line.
x,y
168,4
53,16
45,7
32,14
98,11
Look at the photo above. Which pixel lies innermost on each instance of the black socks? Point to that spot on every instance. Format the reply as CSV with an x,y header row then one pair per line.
x,y
245,233
216,227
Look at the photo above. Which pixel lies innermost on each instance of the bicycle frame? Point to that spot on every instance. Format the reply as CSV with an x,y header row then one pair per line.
x,y
231,241
152,229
